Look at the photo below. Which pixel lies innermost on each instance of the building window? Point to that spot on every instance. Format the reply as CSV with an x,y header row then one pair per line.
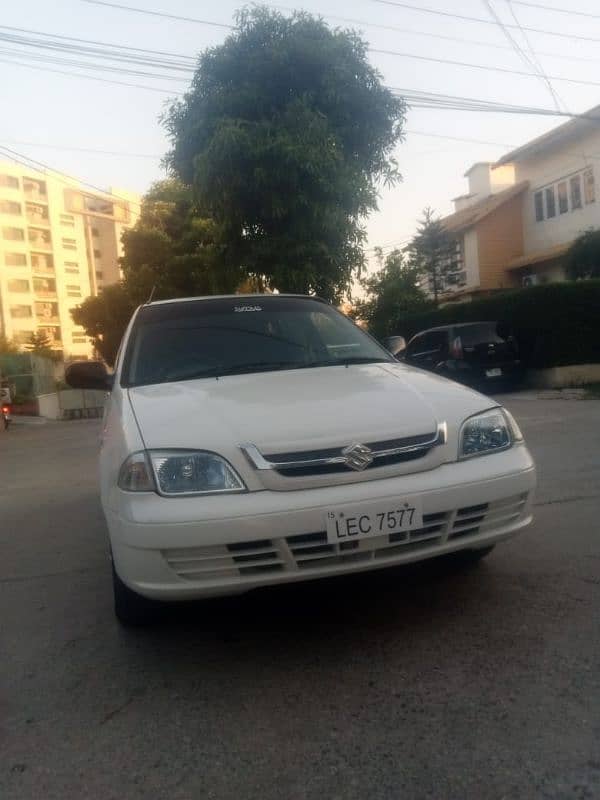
x,y
68,220
15,259
21,311
42,262
97,205
550,202
46,311
575,185
39,238
589,190
563,199
99,274
95,232
69,244
18,285
53,333
9,181
44,285
97,254
34,188
13,234
77,338
71,266
73,290
9,207
538,199
37,213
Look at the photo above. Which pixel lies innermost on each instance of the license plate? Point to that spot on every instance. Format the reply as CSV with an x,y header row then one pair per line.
x,y
363,521
493,373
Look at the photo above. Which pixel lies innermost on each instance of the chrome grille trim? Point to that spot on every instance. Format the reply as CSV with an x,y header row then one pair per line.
x,y
335,456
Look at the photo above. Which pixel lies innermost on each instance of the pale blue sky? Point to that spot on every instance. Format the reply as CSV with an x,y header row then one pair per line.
x,y
51,109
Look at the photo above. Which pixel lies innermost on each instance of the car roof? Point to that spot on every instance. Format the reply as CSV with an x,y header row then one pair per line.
x,y
262,296
458,325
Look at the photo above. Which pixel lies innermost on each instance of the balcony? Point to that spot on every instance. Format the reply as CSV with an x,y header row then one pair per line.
x,y
37,214
35,190
39,239
42,319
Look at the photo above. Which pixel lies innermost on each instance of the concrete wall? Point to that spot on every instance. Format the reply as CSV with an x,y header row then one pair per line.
x,y
548,170
71,404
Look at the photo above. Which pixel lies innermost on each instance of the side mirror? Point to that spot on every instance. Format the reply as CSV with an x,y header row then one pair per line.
x,y
88,375
395,344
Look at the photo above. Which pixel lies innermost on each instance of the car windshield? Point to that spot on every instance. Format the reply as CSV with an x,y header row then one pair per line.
x,y
228,336
482,333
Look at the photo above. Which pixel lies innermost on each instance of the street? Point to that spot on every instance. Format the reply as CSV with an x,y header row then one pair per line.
x,y
434,681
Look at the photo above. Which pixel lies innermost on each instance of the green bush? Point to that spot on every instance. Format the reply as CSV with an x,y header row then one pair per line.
x,y
555,325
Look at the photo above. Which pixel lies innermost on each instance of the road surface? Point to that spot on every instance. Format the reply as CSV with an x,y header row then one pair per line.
x,y
423,682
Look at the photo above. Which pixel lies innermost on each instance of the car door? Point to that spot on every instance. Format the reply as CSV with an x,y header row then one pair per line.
x,y
428,350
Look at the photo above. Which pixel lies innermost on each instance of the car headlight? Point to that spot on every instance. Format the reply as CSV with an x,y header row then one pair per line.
x,y
489,432
179,472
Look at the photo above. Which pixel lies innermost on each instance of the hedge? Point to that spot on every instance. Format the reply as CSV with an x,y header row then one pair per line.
x,y
555,325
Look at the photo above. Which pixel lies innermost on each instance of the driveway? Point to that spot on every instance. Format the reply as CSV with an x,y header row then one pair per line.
x,y
421,682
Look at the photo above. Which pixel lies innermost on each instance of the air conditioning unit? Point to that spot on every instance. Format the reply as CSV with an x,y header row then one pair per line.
x,y
530,280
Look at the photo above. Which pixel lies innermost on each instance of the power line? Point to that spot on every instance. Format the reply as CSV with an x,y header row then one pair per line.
x,y
481,20
71,181
69,148
471,65
46,59
95,42
443,37
531,61
158,13
457,138
90,77
558,10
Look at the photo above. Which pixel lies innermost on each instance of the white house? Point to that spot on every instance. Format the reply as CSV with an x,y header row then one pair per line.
x,y
521,214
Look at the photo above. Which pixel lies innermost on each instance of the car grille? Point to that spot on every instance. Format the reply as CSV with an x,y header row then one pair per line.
x,y
311,551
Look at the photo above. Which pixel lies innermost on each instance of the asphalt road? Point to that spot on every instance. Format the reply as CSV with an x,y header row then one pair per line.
x,y
423,682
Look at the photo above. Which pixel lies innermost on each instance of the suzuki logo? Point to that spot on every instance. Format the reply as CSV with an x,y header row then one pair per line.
x,y
358,456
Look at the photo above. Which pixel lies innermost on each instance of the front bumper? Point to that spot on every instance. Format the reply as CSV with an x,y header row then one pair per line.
x,y
184,548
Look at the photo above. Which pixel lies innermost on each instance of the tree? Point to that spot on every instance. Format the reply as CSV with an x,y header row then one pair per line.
x,y
170,252
583,257
105,318
285,135
432,253
40,344
393,293
7,346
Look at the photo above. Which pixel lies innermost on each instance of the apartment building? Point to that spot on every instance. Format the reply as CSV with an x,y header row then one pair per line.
x,y
59,243
521,214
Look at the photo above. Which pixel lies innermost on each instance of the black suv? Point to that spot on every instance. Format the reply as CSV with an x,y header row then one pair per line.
x,y
477,353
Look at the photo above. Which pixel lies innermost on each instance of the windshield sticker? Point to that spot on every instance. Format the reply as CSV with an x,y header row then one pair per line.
x,y
239,309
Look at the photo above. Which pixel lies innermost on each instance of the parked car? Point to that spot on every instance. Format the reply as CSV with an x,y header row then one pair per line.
x,y
477,353
251,441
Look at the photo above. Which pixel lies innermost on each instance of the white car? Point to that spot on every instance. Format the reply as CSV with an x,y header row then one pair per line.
x,y
257,440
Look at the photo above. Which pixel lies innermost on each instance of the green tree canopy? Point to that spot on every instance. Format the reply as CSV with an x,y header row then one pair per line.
x,y
392,294
583,257
40,344
432,253
285,134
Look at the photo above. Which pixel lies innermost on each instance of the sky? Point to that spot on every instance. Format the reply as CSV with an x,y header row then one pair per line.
x,y
55,118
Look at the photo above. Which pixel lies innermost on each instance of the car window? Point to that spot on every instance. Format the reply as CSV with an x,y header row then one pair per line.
x,y
207,338
427,344
481,333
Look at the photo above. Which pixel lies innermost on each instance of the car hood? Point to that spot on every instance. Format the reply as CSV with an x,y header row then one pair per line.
x,y
301,409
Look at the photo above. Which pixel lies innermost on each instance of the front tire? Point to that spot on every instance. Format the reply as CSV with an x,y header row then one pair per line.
x,y
131,609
